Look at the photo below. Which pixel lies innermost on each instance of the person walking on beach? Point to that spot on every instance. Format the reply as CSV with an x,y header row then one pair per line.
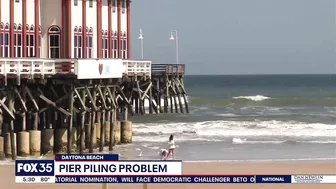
x,y
171,143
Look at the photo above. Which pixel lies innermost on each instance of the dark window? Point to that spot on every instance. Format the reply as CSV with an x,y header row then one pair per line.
x,y
31,52
80,41
90,3
106,43
15,36
75,41
75,53
123,6
6,38
115,44
31,40
17,44
90,41
114,5
80,52
54,42
115,48
78,44
19,39
105,46
89,46
75,2
30,45
27,40
55,53
54,29
124,44
6,45
90,53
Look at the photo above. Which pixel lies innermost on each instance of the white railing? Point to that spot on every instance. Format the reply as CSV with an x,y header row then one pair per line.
x,y
64,66
33,66
39,67
25,66
137,67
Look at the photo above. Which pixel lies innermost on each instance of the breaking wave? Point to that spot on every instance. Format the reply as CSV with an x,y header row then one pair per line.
x,y
245,141
261,100
253,98
237,131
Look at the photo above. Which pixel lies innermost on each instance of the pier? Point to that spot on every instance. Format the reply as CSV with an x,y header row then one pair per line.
x,y
81,105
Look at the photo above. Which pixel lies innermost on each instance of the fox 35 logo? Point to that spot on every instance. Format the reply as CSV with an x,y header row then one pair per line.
x,y
34,167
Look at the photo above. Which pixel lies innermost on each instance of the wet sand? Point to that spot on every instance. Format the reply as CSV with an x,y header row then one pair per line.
x,y
7,176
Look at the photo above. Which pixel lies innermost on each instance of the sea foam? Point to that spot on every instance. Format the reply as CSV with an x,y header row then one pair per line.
x,y
253,98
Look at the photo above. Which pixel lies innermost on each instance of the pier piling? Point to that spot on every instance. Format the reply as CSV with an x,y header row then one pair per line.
x,y
35,142
116,131
126,132
47,141
8,145
112,131
70,122
2,152
11,129
23,143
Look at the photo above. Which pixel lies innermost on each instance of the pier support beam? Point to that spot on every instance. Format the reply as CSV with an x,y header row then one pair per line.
x,y
8,146
150,99
35,142
61,137
93,137
107,128
23,143
2,152
126,132
82,133
47,141
88,129
11,129
112,133
98,126
70,128
184,93
116,131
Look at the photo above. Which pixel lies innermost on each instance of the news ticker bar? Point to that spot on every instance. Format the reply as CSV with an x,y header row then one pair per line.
x,y
107,168
183,179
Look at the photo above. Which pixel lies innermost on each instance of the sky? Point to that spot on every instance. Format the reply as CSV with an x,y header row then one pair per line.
x,y
238,36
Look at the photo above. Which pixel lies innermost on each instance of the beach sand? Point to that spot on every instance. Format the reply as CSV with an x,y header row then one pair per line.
x,y
7,176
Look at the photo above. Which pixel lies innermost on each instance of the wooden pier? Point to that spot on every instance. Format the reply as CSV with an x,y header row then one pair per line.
x,y
76,106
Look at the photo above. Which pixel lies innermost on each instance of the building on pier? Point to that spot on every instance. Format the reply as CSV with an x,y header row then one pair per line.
x,y
65,28
67,80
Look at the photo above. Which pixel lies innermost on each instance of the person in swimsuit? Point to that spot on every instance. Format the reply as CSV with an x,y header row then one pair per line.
x,y
171,143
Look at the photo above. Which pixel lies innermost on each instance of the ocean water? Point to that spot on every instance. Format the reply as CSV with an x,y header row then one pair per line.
x,y
245,118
